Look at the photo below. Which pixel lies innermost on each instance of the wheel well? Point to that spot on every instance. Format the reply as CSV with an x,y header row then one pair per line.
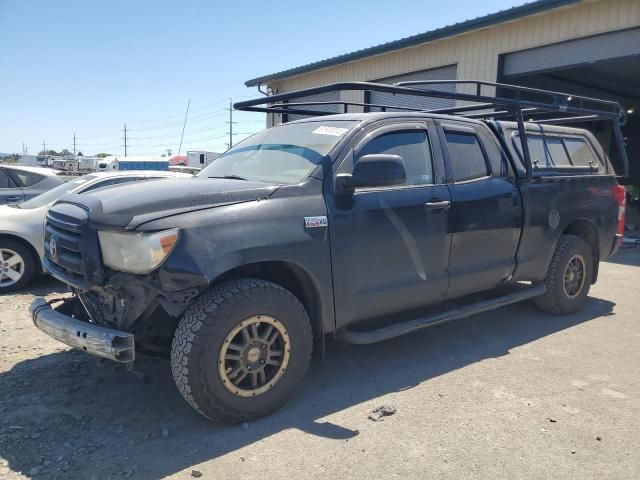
x,y
22,241
587,231
288,276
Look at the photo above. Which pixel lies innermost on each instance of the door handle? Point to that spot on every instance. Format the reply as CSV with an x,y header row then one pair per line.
x,y
438,205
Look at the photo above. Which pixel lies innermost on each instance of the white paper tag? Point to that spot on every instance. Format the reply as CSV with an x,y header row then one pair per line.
x,y
333,131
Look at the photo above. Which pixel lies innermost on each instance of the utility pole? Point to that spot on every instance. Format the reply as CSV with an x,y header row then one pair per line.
x,y
23,150
125,139
184,125
44,148
74,144
230,122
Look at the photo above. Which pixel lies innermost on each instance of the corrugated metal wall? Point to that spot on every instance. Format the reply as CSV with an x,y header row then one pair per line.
x,y
476,53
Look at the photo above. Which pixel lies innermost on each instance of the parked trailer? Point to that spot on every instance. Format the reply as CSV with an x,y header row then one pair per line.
x,y
142,163
200,158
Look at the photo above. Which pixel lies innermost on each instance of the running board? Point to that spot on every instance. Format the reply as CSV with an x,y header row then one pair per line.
x,y
395,330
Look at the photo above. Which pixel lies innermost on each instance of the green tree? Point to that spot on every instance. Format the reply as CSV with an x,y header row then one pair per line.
x,y
102,155
80,154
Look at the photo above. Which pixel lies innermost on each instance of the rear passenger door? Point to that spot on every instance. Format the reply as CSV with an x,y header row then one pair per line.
x,y
486,217
9,192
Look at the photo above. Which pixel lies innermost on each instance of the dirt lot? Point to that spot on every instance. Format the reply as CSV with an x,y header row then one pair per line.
x,y
512,394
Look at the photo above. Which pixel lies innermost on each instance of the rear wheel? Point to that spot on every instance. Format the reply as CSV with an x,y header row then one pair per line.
x,y
17,265
569,277
241,350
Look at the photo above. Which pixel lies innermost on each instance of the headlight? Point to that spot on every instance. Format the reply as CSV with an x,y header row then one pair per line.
x,y
136,252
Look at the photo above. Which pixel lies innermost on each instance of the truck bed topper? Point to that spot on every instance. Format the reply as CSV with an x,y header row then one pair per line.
x,y
490,101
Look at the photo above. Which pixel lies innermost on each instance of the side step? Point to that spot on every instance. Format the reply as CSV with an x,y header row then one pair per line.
x,y
397,329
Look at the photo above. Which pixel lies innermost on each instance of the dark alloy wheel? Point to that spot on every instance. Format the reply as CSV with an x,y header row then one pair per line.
x,y
254,356
241,350
568,278
574,275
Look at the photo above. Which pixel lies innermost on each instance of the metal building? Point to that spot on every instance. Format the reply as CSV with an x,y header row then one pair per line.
x,y
587,47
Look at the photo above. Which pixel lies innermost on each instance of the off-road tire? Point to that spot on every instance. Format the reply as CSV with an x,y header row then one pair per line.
x,y
30,264
555,300
202,331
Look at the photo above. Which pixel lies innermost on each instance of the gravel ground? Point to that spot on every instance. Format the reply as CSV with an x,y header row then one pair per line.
x,y
511,394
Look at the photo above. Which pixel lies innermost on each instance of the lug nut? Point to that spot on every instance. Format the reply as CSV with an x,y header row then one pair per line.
x,y
262,362
248,367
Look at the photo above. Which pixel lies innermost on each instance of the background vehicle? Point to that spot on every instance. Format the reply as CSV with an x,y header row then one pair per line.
x,y
365,225
22,226
18,183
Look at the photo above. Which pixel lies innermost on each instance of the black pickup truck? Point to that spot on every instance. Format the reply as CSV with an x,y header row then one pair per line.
x,y
362,225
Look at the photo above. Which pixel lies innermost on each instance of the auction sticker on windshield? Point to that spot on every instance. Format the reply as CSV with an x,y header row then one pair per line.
x,y
333,131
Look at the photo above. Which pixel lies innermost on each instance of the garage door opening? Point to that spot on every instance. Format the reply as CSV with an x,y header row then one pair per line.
x,y
604,66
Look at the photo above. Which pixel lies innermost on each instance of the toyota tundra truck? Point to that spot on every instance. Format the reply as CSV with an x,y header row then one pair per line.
x,y
363,225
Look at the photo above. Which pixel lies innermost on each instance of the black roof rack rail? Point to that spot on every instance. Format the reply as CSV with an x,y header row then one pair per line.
x,y
500,101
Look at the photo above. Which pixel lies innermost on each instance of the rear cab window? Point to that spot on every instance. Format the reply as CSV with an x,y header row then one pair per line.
x,y
553,152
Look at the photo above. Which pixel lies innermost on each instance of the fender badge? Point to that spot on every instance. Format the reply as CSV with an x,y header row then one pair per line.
x,y
316,222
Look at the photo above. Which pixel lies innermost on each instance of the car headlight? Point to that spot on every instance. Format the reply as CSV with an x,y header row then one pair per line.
x,y
136,252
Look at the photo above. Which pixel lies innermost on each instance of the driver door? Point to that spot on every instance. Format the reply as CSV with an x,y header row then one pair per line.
x,y
390,245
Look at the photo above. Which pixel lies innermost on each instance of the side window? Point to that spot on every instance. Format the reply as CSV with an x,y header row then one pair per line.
x,y
466,156
4,180
412,146
558,153
497,159
26,179
539,154
580,153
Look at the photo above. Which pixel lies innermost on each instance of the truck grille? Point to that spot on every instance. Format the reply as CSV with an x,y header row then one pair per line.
x,y
71,246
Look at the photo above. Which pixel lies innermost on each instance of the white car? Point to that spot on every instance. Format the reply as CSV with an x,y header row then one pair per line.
x,y
22,226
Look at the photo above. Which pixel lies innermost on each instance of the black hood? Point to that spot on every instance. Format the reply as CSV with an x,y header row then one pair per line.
x,y
135,203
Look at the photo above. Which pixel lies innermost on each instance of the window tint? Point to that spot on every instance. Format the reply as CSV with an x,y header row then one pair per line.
x,y
4,180
412,146
497,158
26,179
539,155
580,153
466,156
558,153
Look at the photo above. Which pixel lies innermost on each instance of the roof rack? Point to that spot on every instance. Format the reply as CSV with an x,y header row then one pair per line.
x,y
503,101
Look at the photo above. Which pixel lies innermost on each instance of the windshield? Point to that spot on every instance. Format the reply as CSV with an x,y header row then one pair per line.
x,y
55,193
285,155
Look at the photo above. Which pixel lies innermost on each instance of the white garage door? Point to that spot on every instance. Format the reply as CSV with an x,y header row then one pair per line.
x,y
449,72
572,53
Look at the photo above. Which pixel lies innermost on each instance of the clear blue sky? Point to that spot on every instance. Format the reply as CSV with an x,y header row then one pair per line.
x,y
89,66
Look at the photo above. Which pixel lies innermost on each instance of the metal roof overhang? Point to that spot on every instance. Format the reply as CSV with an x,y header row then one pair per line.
x,y
514,13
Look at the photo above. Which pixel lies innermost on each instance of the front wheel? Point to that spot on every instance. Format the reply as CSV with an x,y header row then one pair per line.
x,y
241,350
569,277
17,265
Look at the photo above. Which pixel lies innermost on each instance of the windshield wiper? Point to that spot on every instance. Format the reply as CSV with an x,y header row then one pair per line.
x,y
231,177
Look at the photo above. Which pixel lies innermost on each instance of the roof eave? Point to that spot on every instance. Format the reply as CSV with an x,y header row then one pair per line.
x,y
514,13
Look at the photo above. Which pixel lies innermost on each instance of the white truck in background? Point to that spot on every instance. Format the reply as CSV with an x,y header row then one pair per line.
x,y
200,158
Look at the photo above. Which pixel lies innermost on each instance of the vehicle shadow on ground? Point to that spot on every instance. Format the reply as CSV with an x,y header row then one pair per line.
x,y
41,286
67,415
626,256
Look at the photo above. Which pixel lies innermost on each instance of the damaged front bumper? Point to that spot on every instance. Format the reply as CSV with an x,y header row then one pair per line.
x,y
104,342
